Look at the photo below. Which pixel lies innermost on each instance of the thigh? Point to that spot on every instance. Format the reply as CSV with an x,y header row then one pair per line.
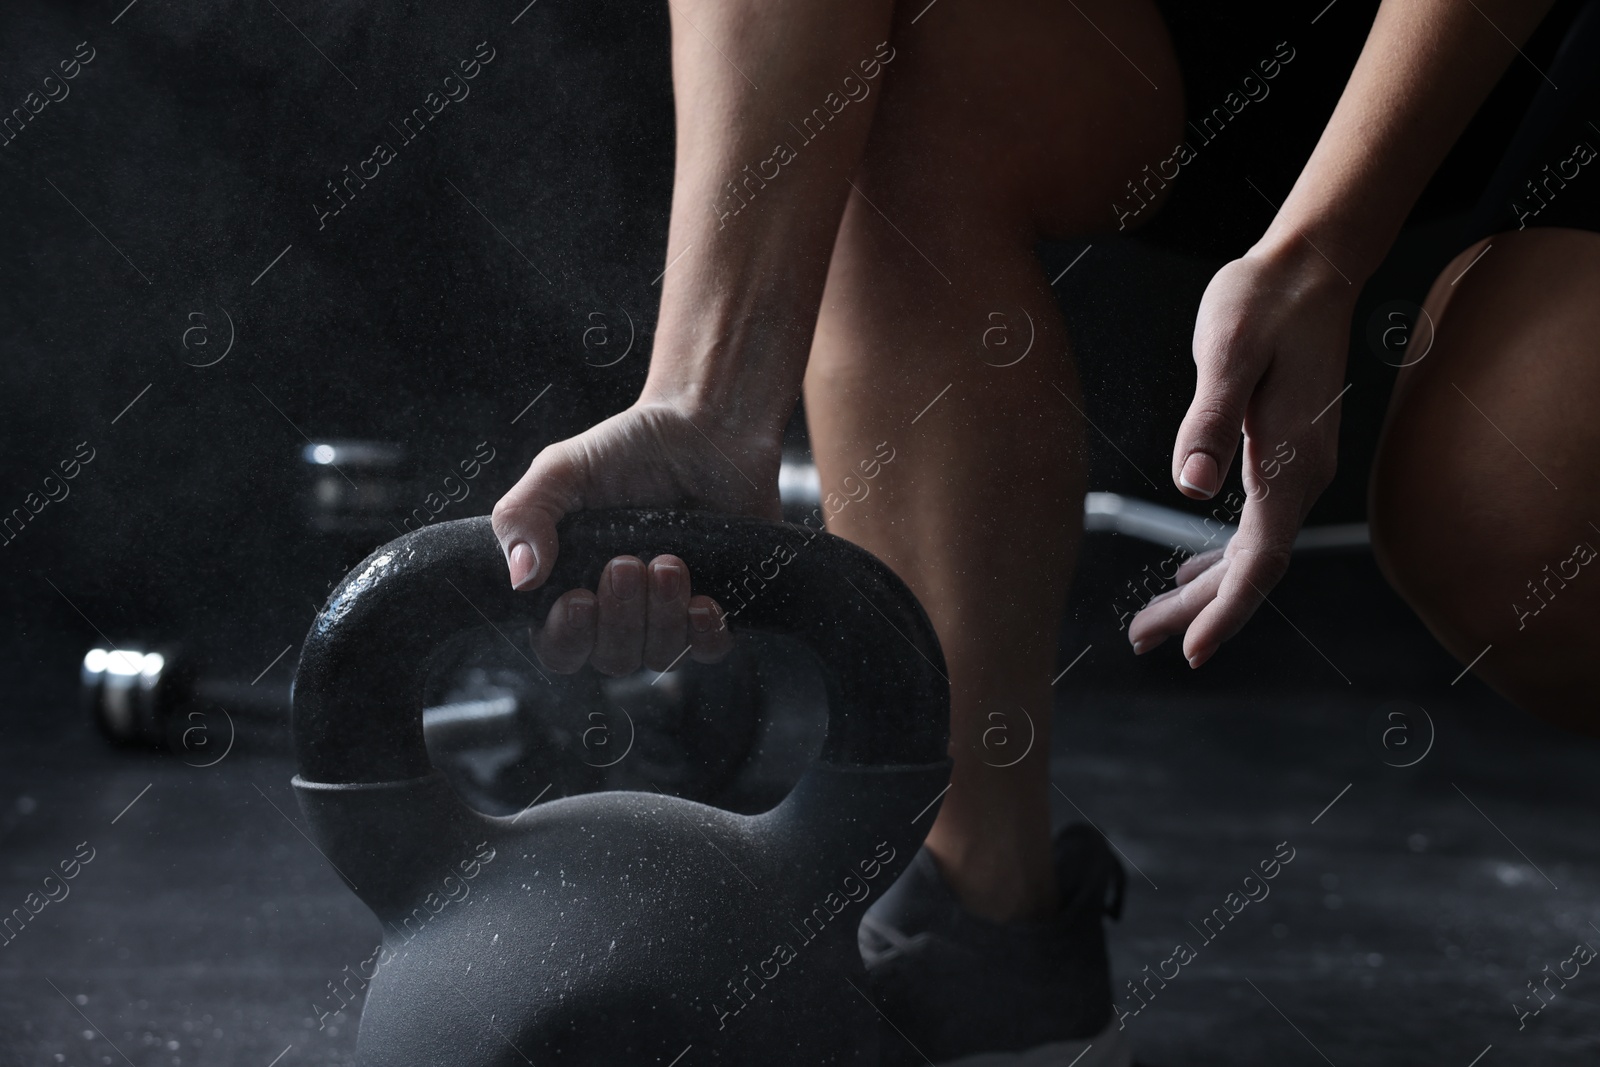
x,y
1038,111
1486,490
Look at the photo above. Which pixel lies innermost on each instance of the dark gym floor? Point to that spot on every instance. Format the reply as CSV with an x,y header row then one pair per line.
x,y
1419,901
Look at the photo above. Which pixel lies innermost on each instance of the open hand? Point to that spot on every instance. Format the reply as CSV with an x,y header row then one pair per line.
x,y
1269,350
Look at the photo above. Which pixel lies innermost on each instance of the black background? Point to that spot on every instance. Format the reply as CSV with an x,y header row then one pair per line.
x,y
202,135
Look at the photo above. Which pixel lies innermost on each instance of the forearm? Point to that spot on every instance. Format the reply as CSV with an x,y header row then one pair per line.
x,y
1425,69
774,103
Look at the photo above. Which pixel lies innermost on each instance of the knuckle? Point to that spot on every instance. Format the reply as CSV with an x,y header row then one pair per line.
x,y
513,513
556,658
1215,417
1218,338
1313,470
503,517
566,664
1225,345
555,643
1272,561
627,625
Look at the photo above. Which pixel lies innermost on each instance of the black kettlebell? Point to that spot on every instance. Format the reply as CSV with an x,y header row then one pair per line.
x,y
619,928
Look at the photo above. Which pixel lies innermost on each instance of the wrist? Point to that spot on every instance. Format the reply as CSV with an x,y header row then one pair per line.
x,y
725,415
1325,268
737,376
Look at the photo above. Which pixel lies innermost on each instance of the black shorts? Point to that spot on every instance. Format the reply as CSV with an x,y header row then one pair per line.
x,y
1548,176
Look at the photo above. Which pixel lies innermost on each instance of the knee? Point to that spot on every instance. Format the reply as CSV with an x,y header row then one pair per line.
x,y
1439,556
1020,114
1469,529
1503,583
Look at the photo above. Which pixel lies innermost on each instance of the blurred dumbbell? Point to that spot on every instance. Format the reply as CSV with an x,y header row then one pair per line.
x,y
141,697
130,693
149,698
501,729
688,732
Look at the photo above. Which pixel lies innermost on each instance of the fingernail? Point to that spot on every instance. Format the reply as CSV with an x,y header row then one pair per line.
x,y
1140,646
1197,659
523,562
669,579
580,612
627,575
1200,474
700,619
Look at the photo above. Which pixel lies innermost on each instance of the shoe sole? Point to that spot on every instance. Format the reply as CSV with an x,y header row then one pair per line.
x,y
1108,1048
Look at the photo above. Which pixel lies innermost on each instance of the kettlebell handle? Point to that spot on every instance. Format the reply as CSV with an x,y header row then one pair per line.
x,y
359,686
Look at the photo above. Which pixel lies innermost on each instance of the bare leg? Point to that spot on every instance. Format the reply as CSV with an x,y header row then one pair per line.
x,y
1487,484
998,123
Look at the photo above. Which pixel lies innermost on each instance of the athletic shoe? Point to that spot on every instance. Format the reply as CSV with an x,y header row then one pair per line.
x,y
961,991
